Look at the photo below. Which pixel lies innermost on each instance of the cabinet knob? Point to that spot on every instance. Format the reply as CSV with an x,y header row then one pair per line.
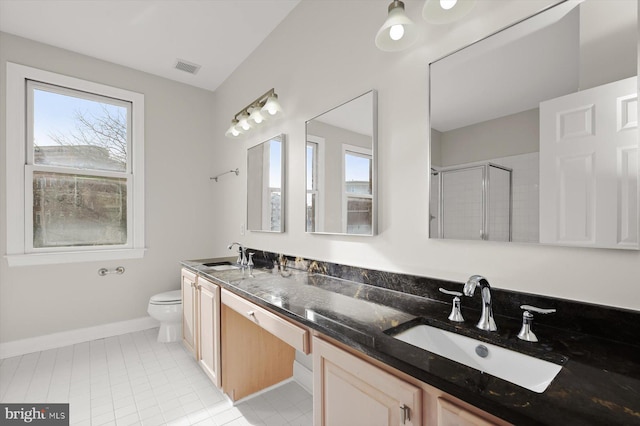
x,y
251,314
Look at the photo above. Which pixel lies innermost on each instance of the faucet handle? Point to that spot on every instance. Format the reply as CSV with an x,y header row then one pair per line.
x,y
536,309
526,333
456,314
450,292
250,264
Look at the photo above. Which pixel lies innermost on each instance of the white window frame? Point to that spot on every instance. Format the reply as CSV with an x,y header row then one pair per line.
x,y
267,206
318,180
20,171
360,152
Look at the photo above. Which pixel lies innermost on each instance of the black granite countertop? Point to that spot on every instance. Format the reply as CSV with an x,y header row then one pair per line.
x,y
599,383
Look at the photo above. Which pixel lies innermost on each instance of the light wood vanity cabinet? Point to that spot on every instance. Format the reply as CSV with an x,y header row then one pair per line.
x,y
350,388
201,322
350,391
245,348
189,310
208,335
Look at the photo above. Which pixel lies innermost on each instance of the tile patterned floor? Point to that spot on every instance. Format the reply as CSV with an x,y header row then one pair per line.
x,y
133,380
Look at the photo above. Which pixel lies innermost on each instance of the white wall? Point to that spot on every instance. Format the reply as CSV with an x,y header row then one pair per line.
x,y
513,134
38,300
322,55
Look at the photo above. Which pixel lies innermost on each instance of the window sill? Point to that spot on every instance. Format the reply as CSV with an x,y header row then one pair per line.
x,y
72,257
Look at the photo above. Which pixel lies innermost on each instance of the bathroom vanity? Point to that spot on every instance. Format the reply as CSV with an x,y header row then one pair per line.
x,y
348,326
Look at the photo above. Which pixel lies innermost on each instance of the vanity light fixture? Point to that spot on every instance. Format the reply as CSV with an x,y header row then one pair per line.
x,y
446,11
398,31
254,114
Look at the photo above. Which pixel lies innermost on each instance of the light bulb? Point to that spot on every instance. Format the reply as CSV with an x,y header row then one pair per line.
x,y
256,116
233,131
396,32
446,11
447,4
244,122
272,107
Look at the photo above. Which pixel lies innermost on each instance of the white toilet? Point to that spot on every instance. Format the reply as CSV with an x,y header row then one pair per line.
x,y
167,308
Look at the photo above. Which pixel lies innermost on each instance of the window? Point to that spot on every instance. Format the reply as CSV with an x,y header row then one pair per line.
x,y
358,190
75,149
273,197
314,168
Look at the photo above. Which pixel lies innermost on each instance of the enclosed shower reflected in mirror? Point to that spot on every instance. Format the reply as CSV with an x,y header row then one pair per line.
x,y
472,202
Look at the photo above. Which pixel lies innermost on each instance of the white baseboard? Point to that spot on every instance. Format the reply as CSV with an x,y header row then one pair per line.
x,y
72,337
303,376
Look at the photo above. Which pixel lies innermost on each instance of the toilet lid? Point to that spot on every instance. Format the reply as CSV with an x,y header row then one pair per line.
x,y
167,298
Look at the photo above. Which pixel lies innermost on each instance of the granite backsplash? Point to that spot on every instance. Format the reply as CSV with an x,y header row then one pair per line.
x,y
604,322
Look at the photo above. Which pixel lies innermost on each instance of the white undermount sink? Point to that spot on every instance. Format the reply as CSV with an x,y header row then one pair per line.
x,y
224,267
523,370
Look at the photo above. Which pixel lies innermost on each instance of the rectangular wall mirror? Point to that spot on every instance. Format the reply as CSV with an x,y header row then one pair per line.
x,y
265,185
534,131
341,175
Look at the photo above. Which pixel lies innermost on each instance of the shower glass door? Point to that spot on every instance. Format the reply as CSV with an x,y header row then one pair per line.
x,y
462,211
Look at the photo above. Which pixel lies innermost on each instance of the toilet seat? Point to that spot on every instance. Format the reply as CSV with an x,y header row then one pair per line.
x,y
167,298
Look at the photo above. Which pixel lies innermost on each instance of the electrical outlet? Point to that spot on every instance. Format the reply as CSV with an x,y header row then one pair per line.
x,y
242,229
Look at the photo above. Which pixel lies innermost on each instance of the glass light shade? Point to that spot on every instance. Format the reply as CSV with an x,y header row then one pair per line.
x,y
398,31
243,122
234,130
272,106
256,116
434,11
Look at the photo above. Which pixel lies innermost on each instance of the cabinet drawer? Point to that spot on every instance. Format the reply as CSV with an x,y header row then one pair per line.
x,y
292,334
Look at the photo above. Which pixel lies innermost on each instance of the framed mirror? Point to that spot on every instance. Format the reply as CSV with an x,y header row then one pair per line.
x,y
265,185
341,173
534,131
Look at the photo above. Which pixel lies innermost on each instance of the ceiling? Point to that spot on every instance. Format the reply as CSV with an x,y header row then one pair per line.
x,y
150,35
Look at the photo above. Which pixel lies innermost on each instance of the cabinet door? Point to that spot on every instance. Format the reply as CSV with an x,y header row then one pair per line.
x,y
209,329
189,310
450,414
350,391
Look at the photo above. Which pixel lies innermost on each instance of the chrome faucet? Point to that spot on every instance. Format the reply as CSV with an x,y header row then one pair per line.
x,y
242,254
486,318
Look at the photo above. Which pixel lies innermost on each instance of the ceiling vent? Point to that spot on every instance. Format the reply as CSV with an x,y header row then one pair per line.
x,y
187,66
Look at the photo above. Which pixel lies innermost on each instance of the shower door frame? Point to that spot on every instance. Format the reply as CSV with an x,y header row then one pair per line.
x,y
484,232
